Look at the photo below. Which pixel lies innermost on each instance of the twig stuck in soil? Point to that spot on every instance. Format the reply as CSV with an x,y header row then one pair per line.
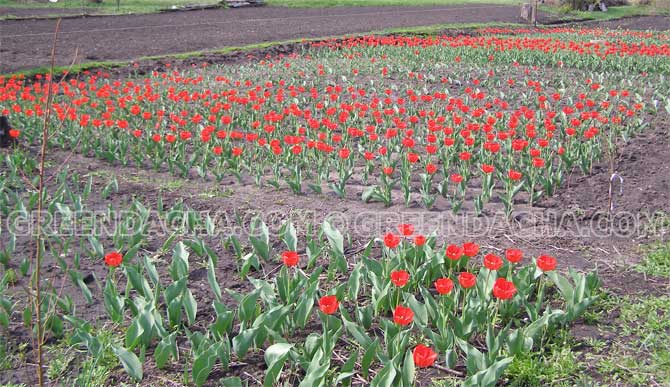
x,y
36,277
448,370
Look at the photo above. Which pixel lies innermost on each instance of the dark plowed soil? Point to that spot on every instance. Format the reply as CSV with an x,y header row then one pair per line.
x,y
27,43
656,23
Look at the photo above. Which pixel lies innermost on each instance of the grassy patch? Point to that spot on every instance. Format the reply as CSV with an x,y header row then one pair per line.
x,y
379,3
639,351
107,6
656,261
555,364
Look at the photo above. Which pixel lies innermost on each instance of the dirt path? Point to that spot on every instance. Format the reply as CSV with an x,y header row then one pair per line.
x,y
27,43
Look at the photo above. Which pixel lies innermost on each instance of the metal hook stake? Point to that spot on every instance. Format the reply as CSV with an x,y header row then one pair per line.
x,y
614,176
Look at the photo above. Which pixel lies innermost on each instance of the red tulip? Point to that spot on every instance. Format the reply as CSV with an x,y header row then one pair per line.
x,y
113,259
391,240
470,249
412,157
328,304
402,315
423,356
486,168
546,263
344,153
514,255
444,285
514,175
290,258
467,280
419,240
406,229
504,289
493,262
454,252
399,278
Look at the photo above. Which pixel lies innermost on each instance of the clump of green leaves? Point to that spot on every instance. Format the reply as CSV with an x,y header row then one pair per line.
x,y
657,261
555,364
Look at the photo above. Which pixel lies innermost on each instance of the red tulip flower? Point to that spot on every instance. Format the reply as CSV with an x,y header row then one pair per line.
x,y
412,157
467,280
406,229
470,249
403,315
399,278
487,168
492,262
514,175
391,240
419,240
290,258
423,356
504,289
328,304
454,252
546,263
444,285
113,259
514,255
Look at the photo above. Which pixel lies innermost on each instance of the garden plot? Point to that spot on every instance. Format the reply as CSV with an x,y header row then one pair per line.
x,y
374,210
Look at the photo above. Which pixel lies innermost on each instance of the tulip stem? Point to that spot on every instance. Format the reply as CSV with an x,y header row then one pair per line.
x,y
495,315
540,295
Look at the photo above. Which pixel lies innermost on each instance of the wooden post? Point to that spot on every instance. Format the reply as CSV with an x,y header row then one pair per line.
x,y
534,13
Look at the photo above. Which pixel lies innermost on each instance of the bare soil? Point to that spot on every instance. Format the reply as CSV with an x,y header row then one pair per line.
x,y
27,43
656,23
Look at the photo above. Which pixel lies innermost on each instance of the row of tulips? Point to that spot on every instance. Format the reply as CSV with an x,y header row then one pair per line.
x,y
404,303
309,124
434,305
